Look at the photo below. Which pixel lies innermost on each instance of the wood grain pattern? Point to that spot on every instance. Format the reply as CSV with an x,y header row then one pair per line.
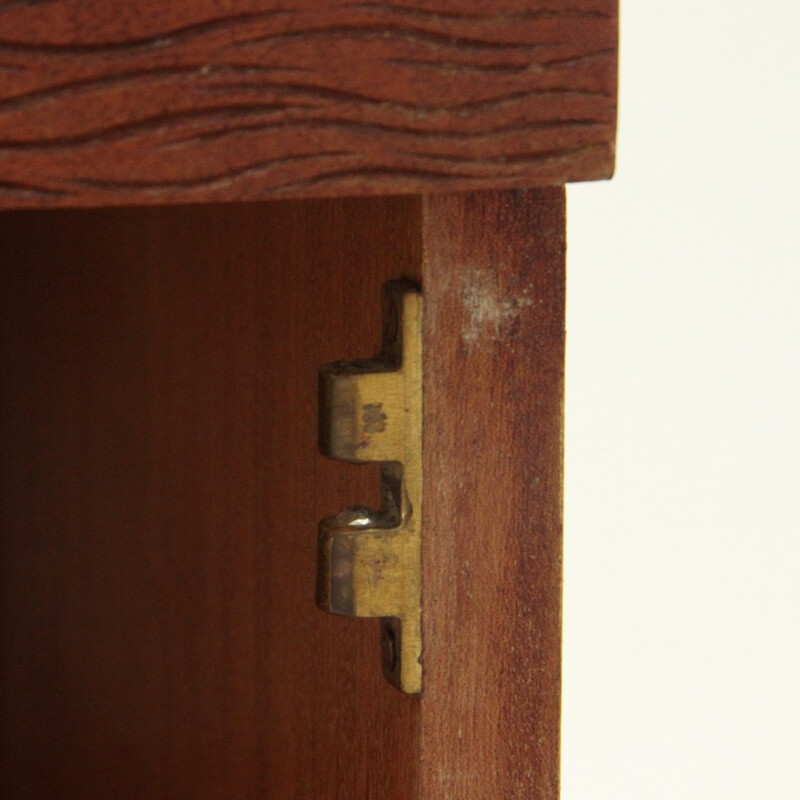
x,y
161,488
494,371
151,102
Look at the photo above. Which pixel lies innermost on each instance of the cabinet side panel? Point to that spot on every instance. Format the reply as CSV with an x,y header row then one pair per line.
x,y
161,488
493,392
152,102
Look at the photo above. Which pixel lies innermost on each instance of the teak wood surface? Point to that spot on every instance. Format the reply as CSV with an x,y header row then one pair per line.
x,y
152,102
161,489
493,280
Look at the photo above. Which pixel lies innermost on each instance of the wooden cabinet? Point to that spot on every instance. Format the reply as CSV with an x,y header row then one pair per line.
x,y
161,484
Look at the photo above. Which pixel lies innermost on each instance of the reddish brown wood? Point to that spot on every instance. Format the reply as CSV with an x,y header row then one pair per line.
x,y
153,102
494,372
161,488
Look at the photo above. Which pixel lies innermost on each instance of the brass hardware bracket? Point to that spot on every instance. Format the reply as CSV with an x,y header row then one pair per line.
x,y
369,561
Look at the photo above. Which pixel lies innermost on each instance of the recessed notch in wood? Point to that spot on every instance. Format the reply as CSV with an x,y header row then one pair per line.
x,y
369,560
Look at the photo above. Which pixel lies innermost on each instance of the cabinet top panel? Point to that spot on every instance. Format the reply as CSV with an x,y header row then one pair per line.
x,y
204,100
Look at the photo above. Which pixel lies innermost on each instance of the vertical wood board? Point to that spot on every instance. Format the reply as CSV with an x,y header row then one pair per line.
x,y
494,370
161,488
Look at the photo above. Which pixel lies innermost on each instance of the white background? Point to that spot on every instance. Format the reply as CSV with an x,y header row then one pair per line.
x,y
682,535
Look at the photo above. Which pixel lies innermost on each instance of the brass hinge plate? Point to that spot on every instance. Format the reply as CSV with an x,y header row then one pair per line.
x,y
369,560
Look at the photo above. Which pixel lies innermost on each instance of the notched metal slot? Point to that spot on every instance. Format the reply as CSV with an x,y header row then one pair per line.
x,y
369,560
